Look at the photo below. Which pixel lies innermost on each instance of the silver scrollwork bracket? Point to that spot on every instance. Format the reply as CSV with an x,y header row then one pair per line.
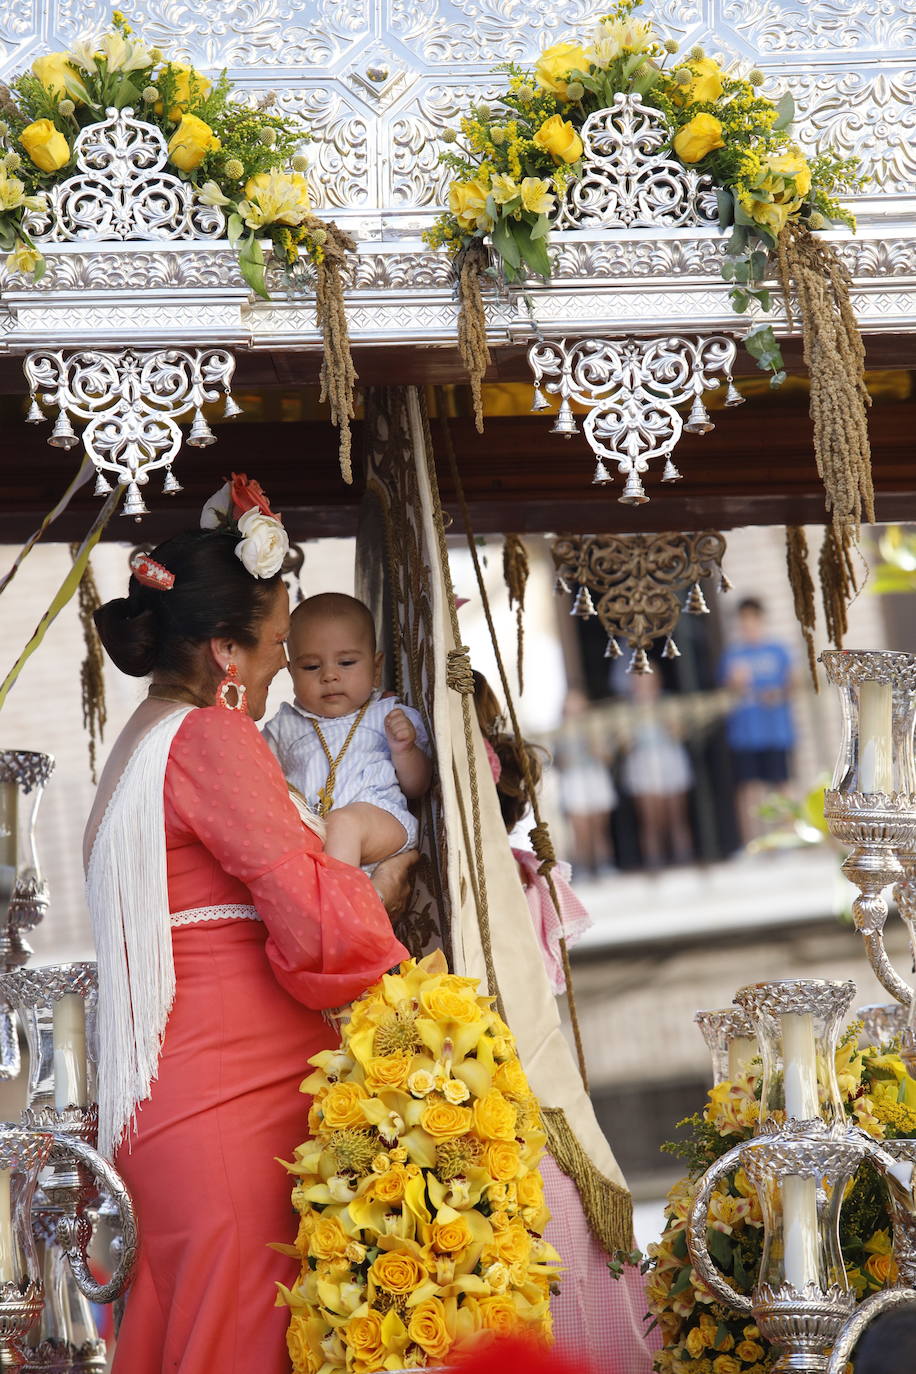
x,y
133,401
631,389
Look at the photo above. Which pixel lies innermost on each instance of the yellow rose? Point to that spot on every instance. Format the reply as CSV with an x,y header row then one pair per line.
x,y
726,1364
512,1245
552,69
536,197
421,1083
451,1236
182,95
454,1091
557,137
502,1160
530,1189
772,214
699,136
882,1268
706,85
45,145
443,1120
327,1240
498,1314
447,1004
695,1343
364,1337
52,71
297,1343
467,201
494,1117
427,1327
793,164
390,1187
387,1071
510,1079
191,142
342,1106
749,1351
397,1272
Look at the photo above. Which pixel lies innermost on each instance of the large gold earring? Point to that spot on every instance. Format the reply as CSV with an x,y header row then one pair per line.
x,y
231,682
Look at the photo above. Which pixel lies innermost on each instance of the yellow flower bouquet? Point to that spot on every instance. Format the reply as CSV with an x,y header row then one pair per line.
x,y
513,158
701,1335
245,159
419,1195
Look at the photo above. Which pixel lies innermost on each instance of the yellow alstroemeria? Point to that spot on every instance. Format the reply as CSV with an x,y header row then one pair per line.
x,y
849,1065
210,194
771,214
504,188
45,145
536,197
118,53
698,137
24,258
613,37
273,198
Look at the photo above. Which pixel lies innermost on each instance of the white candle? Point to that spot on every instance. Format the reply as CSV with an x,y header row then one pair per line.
x,y
876,767
71,1088
799,1066
799,1230
741,1051
8,1267
9,803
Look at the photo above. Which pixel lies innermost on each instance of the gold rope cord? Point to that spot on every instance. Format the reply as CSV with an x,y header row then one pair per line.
x,y
835,357
338,375
92,668
539,834
802,585
472,323
326,793
515,575
608,1207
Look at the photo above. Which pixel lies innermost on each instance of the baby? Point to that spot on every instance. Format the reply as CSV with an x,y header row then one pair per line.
x,y
353,755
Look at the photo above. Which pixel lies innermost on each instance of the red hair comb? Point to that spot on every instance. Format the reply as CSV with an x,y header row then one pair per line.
x,y
151,574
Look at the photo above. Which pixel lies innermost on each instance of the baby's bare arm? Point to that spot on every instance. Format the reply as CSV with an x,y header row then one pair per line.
x,y
412,768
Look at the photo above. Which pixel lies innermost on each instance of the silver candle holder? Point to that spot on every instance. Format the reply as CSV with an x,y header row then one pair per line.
x,y
24,774
22,1156
731,1040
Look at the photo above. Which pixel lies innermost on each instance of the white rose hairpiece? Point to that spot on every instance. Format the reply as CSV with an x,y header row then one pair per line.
x,y
242,505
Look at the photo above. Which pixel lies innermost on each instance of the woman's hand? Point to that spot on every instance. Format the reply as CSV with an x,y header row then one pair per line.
x,y
391,881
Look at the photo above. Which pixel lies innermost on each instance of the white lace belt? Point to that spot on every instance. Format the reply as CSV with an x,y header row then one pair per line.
x,y
233,911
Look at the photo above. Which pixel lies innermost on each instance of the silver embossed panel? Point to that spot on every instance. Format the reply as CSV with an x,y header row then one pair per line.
x,y
379,79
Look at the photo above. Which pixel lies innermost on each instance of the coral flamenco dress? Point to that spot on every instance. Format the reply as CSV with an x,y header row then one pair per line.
x,y
265,930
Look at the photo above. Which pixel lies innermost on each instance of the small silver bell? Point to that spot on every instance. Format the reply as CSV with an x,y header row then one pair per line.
x,y
561,586
36,415
63,434
698,421
724,584
671,472
634,493
639,663
201,435
539,401
565,423
613,649
583,606
733,396
670,650
696,601
102,485
133,502
231,408
602,476
171,486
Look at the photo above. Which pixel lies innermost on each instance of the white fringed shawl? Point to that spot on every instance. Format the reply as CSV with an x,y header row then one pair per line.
x,y
127,892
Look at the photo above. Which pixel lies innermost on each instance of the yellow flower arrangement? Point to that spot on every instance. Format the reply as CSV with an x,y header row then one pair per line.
x,y
701,1334
420,1200
719,124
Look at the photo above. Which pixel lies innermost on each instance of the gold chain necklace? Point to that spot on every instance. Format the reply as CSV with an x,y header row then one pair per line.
x,y
326,793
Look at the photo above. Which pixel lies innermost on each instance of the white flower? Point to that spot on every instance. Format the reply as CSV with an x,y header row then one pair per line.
x,y
613,37
264,543
210,194
340,1189
217,510
120,54
454,1091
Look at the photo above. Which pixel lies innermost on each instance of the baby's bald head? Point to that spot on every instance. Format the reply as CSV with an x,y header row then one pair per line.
x,y
335,607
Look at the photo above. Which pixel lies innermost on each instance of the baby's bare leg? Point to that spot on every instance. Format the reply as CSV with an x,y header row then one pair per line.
x,y
363,834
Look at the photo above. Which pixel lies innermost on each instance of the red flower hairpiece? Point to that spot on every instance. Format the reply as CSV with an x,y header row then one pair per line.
x,y
151,574
247,494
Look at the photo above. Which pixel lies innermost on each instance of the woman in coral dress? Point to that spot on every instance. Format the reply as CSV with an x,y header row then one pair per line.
x,y
223,930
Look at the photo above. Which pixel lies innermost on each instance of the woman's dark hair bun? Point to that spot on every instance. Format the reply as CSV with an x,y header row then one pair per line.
x,y
129,636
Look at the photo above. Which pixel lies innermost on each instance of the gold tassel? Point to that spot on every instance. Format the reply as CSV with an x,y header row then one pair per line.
x,y
515,573
338,375
838,580
92,669
802,585
608,1207
472,323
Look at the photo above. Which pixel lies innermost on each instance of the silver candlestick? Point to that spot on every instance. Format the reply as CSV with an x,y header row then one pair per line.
x,y
22,1156
730,1039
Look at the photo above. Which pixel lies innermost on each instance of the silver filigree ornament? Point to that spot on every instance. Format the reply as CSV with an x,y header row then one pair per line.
x,y
627,182
133,401
122,190
631,389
